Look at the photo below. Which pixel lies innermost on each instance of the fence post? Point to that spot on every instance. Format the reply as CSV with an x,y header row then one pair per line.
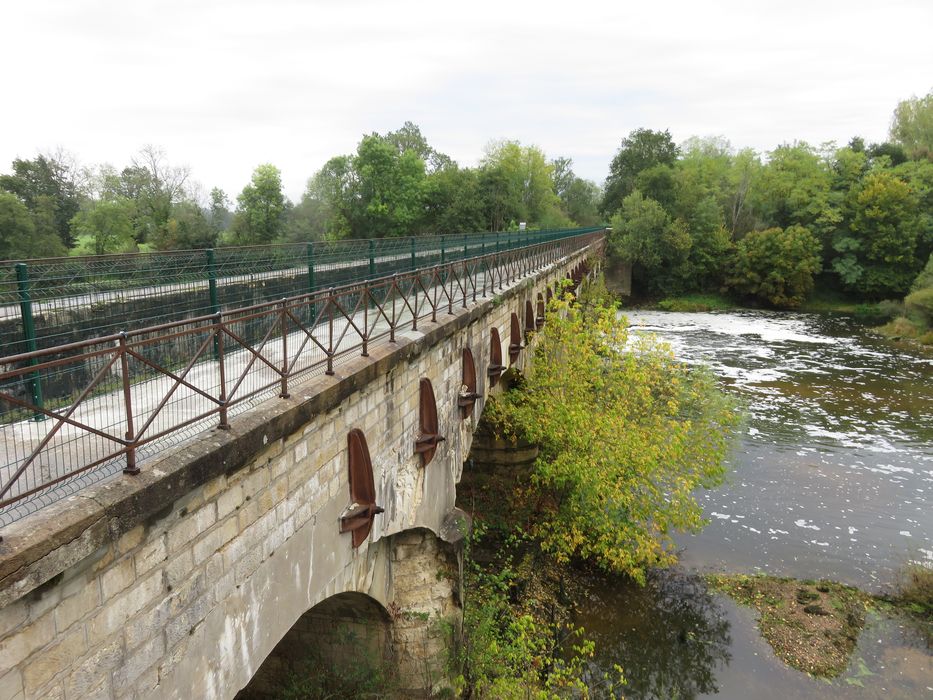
x,y
413,253
309,254
464,246
130,467
212,288
372,258
29,335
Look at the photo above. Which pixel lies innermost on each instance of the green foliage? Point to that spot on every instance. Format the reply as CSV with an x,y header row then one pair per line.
x,y
644,234
696,303
626,435
104,226
505,653
640,150
49,184
912,126
261,207
776,265
877,254
24,235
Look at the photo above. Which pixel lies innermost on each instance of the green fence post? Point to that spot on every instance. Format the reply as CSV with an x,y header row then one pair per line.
x,y
443,250
29,335
309,253
372,258
413,253
464,246
497,242
212,288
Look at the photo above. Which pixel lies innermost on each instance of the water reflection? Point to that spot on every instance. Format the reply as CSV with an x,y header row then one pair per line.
x,y
671,636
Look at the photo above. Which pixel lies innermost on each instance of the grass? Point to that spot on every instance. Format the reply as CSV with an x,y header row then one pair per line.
x,y
902,328
697,302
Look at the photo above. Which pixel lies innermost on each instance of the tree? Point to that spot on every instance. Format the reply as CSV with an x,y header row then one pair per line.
x,y
187,227
410,138
261,207
523,184
626,435
104,226
218,212
51,182
776,265
657,246
912,126
640,150
16,227
453,201
387,194
877,254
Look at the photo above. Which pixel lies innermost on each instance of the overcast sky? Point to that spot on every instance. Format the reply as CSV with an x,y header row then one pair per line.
x,y
223,86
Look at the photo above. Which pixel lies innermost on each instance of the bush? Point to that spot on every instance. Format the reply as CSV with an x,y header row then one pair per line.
x,y
919,304
777,265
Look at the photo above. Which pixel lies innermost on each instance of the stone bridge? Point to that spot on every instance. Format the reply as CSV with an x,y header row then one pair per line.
x,y
184,580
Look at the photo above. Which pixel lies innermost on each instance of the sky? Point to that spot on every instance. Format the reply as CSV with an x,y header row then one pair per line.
x,y
223,86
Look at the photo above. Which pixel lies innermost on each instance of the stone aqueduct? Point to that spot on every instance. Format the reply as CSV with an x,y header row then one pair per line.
x,y
180,582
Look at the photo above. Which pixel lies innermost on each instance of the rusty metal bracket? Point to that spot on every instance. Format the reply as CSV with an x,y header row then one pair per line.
x,y
515,339
429,437
358,517
495,369
467,397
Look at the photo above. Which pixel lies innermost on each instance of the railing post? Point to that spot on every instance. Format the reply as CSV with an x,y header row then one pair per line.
x,y
312,311
330,326
372,258
283,393
412,253
310,257
443,250
131,467
464,246
219,344
366,292
212,289
29,335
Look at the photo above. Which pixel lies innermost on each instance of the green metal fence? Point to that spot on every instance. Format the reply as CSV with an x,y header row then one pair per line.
x,y
49,302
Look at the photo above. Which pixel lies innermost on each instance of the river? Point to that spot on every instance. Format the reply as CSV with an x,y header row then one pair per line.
x,y
831,478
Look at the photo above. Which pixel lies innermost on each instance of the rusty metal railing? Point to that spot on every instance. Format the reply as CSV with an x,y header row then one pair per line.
x,y
129,395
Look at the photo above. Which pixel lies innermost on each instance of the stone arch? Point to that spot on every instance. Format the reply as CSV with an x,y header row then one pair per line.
x,y
344,639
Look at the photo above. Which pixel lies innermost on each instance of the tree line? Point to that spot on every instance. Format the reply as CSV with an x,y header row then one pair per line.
x,y
702,216
395,184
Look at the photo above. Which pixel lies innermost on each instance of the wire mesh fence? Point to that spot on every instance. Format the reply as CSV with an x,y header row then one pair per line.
x,y
75,412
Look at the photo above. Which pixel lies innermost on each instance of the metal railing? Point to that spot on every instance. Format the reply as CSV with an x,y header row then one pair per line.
x,y
129,395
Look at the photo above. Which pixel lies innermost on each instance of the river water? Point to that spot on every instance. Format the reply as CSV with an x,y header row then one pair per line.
x,y
831,478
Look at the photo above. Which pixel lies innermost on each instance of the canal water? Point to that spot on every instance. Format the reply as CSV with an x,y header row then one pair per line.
x,y
831,478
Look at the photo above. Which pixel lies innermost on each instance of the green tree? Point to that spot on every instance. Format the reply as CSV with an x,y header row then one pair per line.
x,y
410,138
877,255
52,183
657,246
387,190
626,434
776,265
453,201
186,228
640,150
16,226
261,207
104,226
522,184
912,126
